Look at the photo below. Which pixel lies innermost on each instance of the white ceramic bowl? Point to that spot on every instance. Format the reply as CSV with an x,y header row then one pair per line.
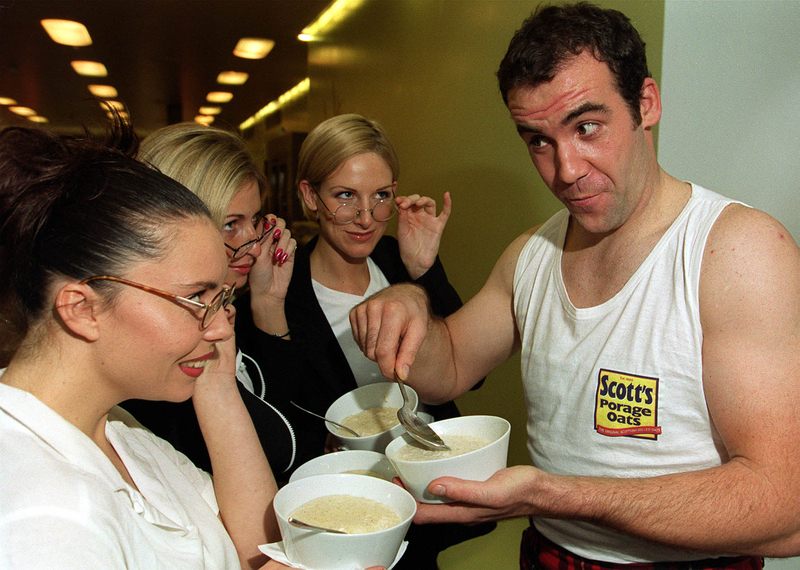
x,y
363,398
476,465
328,551
344,461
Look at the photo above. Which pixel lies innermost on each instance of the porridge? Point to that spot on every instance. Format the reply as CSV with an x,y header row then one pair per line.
x,y
371,421
458,444
353,515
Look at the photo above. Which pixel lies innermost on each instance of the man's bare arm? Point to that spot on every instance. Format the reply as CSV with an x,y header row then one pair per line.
x,y
441,359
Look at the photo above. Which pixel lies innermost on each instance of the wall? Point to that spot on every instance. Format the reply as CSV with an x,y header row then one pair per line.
x,y
731,94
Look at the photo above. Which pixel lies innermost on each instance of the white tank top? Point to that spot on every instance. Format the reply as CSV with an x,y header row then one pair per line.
x,y
616,390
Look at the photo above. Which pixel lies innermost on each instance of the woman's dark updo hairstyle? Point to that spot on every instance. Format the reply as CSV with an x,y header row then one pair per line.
x,y
75,207
553,35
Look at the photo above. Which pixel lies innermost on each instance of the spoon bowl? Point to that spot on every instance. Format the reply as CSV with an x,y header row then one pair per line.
x,y
414,425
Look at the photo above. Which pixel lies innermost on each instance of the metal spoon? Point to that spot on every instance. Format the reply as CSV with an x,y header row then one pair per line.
x,y
345,428
414,425
300,524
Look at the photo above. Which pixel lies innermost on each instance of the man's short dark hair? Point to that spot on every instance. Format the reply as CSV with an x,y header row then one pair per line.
x,y
553,35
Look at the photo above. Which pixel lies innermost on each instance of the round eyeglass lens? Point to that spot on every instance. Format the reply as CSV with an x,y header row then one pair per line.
x,y
381,212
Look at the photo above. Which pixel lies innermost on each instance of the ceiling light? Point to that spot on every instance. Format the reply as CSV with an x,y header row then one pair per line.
x,y
204,119
103,91
336,12
209,110
232,77
292,94
253,48
67,32
89,68
219,97
23,111
38,119
7,101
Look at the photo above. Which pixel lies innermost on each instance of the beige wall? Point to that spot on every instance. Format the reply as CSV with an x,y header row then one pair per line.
x,y
425,70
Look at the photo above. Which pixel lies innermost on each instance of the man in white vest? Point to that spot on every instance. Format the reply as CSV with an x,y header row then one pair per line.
x,y
659,329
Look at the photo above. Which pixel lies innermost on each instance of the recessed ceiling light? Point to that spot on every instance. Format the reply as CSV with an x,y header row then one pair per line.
x,y
253,48
209,110
67,32
204,119
219,97
23,111
38,119
7,101
232,77
103,91
305,37
89,68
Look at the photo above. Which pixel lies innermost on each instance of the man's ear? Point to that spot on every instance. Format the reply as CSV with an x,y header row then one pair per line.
x,y
309,196
78,306
650,103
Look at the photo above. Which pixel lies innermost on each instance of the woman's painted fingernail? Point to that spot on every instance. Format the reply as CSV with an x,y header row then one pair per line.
x,y
284,257
278,255
277,235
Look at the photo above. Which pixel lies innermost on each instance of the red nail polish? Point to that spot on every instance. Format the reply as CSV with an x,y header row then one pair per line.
x,y
278,255
284,257
277,235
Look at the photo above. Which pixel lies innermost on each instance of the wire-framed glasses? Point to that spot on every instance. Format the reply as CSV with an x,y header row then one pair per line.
x,y
381,211
220,300
262,229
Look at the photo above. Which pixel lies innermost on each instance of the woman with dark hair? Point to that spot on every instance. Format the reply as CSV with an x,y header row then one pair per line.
x,y
112,276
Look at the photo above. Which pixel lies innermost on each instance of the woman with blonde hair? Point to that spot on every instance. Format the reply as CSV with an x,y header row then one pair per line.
x,y
216,166
347,179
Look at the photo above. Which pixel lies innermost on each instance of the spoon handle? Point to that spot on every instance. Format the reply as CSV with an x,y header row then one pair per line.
x,y
300,524
345,428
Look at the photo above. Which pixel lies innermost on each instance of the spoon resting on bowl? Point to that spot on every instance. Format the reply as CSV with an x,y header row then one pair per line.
x,y
340,426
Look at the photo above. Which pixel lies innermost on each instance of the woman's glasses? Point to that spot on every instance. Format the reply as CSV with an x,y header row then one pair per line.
x,y
262,229
220,300
381,211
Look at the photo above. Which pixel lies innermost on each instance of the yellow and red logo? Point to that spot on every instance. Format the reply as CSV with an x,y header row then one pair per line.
x,y
626,405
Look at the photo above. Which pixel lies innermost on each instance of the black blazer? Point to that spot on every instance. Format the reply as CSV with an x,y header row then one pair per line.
x,y
311,368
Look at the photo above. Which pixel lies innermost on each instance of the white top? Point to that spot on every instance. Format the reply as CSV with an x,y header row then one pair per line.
x,y
337,306
616,390
64,505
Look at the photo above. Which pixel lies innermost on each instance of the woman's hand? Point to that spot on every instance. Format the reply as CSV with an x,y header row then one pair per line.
x,y
419,231
272,271
270,277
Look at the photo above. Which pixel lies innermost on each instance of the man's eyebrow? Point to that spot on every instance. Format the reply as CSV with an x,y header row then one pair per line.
x,y
582,110
523,129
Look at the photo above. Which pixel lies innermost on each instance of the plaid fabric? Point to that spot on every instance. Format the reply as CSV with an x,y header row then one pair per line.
x,y
538,553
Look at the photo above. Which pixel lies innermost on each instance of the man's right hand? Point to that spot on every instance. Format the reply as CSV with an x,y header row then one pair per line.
x,y
390,327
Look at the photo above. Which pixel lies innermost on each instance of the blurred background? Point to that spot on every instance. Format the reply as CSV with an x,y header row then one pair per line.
x,y
424,69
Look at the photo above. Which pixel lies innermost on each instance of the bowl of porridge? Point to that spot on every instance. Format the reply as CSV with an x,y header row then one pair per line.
x,y
479,449
359,462
374,515
371,411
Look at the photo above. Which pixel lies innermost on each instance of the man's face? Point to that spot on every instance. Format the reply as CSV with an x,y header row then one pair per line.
x,y
583,141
